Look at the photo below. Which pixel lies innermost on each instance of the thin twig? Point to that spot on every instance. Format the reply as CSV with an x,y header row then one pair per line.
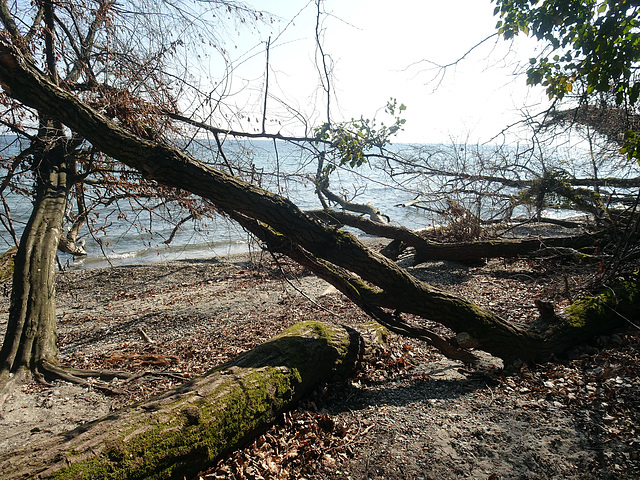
x,y
298,289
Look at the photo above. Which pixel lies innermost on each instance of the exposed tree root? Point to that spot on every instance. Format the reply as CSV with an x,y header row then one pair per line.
x,y
73,375
47,371
78,376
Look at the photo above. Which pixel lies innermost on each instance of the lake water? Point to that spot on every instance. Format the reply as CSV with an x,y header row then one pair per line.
x,y
125,243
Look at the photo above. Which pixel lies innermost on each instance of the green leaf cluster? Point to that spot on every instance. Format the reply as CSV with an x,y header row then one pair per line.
x,y
631,147
349,141
595,42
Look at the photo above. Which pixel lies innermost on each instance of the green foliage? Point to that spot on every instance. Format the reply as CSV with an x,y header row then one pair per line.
x,y
597,42
631,147
349,141
594,42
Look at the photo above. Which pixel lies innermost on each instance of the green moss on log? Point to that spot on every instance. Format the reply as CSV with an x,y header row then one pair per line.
x,y
7,264
609,308
171,442
187,429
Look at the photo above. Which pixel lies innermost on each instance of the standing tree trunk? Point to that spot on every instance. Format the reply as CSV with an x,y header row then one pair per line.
x,y
31,331
30,340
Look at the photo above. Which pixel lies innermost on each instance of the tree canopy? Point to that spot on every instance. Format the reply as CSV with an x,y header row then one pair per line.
x,y
592,44
589,41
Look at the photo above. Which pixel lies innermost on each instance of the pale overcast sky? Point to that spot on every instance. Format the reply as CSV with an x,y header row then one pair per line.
x,y
378,50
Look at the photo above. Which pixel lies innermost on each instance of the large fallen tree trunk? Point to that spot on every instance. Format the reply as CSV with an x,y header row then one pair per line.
x,y
370,279
182,431
475,328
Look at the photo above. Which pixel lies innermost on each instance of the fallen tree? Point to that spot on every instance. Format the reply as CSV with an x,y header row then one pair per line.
x,y
184,430
428,250
371,280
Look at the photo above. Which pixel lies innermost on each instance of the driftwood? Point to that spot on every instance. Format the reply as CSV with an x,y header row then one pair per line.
x,y
184,430
365,209
427,250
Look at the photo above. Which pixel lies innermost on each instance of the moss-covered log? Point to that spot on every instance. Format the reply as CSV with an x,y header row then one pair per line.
x,y
186,429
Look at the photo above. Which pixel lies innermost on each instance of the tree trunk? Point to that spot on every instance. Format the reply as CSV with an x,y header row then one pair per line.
x,y
31,332
367,277
31,336
181,432
501,248
475,327
428,250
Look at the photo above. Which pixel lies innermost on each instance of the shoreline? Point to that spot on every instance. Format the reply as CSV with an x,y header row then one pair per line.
x,y
201,252
196,253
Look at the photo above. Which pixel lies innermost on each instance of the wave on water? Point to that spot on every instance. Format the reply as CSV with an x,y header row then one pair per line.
x,y
160,253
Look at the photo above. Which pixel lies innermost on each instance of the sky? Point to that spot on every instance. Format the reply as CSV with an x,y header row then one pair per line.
x,y
376,50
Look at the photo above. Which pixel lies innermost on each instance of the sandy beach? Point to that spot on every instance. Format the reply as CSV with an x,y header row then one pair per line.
x,y
410,413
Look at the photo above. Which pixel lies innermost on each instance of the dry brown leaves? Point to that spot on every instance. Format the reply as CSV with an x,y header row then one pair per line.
x,y
304,442
599,385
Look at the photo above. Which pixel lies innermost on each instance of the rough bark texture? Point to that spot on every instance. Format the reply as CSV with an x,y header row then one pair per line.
x,y
30,340
31,331
184,430
500,248
475,327
366,276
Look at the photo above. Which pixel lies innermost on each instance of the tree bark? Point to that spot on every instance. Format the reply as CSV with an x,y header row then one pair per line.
x,y
368,277
474,327
428,250
181,432
366,209
31,336
31,331
466,251
70,243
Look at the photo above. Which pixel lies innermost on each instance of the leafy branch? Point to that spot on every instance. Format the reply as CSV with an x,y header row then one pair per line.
x,y
351,140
